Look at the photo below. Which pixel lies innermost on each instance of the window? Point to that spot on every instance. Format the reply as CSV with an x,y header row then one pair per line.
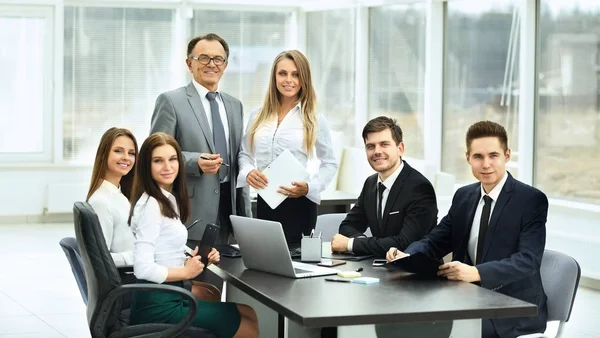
x,y
567,154
397,69
26,66
116,62
481,76
254,39
330,50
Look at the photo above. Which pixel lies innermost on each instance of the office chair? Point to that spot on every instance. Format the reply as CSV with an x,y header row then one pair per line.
x,y
329,224
69,246
560,278
106,318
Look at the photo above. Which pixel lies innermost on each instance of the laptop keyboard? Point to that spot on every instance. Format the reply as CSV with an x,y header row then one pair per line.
x,y
299,271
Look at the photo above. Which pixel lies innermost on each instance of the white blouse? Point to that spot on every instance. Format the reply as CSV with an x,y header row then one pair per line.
x,y
270,141
112,208
159,240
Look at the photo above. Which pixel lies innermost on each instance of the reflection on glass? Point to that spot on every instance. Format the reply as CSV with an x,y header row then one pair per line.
x,y
330,50
254,39
568,124
481,76
22,55
397,69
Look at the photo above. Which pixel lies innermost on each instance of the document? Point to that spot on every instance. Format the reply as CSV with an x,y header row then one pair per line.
x,y
281,172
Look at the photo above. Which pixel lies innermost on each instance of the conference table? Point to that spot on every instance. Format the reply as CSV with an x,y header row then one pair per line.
x,y
299,308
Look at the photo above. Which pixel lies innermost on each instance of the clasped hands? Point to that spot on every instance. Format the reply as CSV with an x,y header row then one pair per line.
x,y
452,270
258,180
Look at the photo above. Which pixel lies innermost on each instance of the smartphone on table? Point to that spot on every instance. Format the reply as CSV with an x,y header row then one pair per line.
x,y
331,262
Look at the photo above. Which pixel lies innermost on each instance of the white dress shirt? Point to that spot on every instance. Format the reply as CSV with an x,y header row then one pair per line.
x,y
271,140
159,240
474,236
112,208
388,183
202,91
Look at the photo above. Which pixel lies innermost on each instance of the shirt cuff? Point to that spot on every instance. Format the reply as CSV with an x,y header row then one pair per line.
x,y
241,181
350,244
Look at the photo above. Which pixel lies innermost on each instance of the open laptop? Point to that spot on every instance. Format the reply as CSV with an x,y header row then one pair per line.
x,y
263,247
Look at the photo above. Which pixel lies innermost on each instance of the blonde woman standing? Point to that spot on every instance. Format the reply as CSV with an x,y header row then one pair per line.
x,y
288,120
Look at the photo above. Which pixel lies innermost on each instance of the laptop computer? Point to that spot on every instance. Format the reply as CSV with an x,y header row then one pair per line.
x,y
263,247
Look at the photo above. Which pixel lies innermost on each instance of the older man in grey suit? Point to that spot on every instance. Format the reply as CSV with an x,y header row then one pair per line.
x,y
208,124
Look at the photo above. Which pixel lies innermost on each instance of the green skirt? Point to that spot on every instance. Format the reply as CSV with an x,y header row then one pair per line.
x,y
222,319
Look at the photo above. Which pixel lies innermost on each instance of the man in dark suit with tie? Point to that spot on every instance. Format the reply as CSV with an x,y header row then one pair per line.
x,y
398,203
496,231
208,125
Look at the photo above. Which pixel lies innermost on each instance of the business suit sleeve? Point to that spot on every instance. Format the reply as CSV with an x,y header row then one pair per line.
x,y
527,260
164,119
325,154
246,160
355,223
243,193
420,215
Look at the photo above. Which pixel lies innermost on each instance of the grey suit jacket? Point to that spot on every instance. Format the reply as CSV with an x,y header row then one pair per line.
x,y
180,113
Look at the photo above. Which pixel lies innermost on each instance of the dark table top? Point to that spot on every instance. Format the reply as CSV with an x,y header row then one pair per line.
x,y
398,297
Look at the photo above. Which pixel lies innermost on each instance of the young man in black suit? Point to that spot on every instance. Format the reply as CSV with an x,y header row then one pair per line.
x,y
397,203
496,231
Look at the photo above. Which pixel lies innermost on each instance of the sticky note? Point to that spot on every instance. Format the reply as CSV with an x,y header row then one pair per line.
x,y
365,280
349,274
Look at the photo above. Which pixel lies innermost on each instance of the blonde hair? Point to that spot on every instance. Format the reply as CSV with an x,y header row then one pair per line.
x,y
306,97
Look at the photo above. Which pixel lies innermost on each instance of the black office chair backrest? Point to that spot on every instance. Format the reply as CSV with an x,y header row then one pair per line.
x,y
100,270
71,249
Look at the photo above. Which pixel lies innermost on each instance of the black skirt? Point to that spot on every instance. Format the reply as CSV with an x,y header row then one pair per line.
x,y
298,216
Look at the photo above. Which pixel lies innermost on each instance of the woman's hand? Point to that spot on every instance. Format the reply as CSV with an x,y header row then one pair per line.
x,y
193,266
298,189
214,256
257,180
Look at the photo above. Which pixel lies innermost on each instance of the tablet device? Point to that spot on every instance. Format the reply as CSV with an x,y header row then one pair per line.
x,y
207,242
418,263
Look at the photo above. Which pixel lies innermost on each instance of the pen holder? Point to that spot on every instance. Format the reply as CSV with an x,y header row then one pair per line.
x,y
310,249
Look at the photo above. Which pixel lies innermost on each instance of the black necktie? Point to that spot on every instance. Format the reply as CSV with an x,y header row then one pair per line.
x,y
218,133
483,225
380,188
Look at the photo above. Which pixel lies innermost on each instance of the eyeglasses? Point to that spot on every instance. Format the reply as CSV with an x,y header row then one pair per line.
x,y
205,59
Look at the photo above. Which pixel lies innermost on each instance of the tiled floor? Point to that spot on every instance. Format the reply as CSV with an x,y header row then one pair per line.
x,y
39,296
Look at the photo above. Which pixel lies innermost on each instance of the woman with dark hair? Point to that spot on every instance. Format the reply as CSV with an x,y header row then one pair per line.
x,y
160,204
110,188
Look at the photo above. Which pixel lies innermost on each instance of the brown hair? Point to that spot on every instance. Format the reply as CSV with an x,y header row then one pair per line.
x,y
486,129
306,97
382,123
209,37
145,183
101,162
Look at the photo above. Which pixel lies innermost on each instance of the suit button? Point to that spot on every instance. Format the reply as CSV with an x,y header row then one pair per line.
x,y
216,191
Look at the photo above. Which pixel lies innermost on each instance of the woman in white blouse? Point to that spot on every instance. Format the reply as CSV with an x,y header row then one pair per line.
x,y
160,205
288,120
110,188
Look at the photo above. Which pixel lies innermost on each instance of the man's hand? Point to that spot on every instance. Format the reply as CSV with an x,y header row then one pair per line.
x,y
214,256
459,271
210,166
394,253
339,243
298,189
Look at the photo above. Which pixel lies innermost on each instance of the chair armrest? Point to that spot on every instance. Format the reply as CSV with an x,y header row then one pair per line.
x,y
176,330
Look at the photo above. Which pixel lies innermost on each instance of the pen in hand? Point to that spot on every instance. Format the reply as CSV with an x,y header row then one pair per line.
x,y
208,159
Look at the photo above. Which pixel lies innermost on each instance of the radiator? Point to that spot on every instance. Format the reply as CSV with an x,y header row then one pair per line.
x,y
61,196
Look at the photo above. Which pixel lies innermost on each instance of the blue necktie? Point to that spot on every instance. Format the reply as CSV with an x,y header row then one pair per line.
x,y
218,133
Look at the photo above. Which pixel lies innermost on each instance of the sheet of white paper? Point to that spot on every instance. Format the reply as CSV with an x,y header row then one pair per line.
x,y
281,172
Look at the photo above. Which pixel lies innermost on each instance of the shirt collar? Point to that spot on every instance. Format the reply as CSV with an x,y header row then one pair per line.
x,y
202,91
389,182
111,187
168,194
497,189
